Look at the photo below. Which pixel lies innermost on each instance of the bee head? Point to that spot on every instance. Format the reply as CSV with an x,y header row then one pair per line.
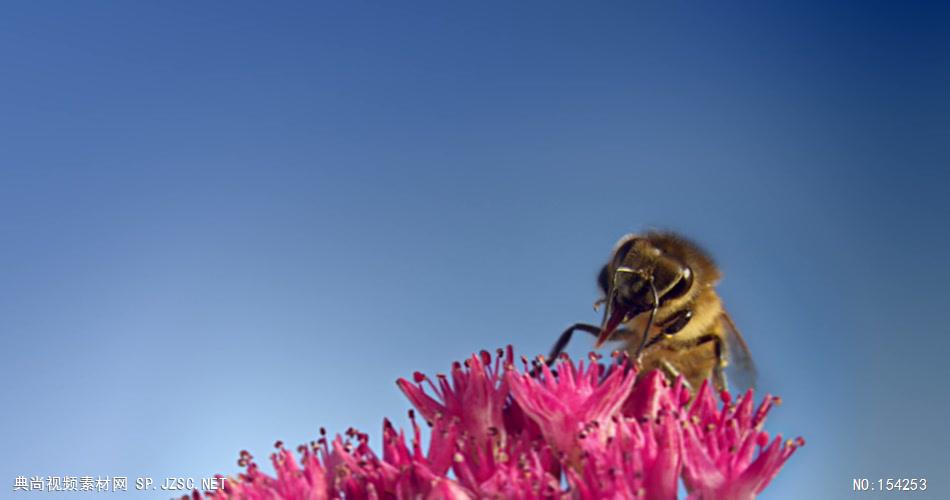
x,y
639,278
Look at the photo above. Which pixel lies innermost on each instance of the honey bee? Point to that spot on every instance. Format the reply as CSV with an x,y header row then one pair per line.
x,y
659,299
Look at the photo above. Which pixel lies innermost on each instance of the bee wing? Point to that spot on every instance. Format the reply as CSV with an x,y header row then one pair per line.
x,y
741,371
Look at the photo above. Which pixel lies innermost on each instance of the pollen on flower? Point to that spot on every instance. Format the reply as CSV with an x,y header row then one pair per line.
x,y
583,430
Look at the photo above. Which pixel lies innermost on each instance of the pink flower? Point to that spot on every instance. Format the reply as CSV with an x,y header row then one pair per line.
x,y
292,481
640,460
720,447
652,394
575,400
581,432
474,398
520,471
353,470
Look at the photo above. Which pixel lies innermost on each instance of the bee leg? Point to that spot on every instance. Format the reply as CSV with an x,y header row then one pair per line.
x,y
672,374
565,337
671,326
719,379
677,322
719,374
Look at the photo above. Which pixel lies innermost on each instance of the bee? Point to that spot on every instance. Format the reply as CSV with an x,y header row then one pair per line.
x,y
659,298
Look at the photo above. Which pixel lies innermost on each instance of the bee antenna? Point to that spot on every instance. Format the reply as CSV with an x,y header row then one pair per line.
x,y
646,331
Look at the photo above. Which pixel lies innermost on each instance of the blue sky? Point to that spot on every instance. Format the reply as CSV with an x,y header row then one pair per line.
x,y
227,224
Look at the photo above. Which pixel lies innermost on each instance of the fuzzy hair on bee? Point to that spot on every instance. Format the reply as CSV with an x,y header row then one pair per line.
x,y
660,300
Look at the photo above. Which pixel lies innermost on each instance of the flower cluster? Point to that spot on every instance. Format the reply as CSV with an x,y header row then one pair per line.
x,y
584,432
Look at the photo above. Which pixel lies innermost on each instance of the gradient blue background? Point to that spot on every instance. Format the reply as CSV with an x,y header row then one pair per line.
x,y
224,224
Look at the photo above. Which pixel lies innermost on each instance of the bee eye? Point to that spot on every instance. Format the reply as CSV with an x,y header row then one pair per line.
x,y
682,286
622,252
